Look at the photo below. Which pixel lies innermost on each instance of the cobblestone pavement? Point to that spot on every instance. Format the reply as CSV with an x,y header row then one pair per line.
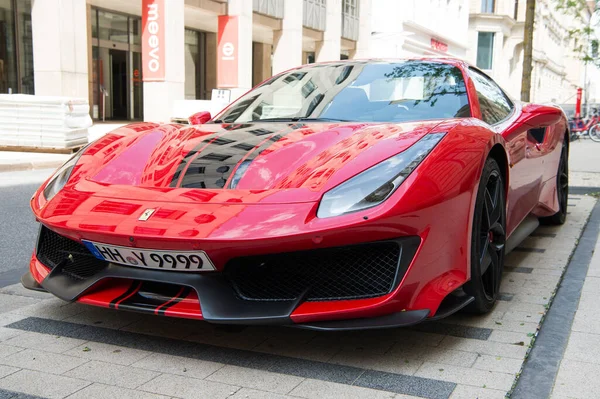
x,y
52,349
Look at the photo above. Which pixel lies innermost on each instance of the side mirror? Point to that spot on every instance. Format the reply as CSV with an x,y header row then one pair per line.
x,y
199,118
536,115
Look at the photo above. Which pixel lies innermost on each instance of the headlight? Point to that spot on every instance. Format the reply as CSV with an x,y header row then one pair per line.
x,y
376,184
61,176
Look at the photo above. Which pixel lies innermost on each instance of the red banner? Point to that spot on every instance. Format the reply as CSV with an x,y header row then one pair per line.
x,y
227,50
153,40
578,103
439,46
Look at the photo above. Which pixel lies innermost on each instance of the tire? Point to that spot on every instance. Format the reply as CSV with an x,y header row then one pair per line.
x,y
487,240
562,189
594,133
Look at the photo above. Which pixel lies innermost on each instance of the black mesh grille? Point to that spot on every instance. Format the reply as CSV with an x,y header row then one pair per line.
x,y
53,248
352,272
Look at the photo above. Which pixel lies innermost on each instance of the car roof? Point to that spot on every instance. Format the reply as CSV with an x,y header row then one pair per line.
x,y
439,59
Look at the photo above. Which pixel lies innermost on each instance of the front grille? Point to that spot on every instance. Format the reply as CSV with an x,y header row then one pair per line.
x,y
351,272
52,249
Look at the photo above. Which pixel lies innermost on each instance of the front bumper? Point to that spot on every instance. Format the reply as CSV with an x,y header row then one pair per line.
x,y
212,296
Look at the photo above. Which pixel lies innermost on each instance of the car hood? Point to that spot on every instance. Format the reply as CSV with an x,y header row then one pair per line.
x,y
237,163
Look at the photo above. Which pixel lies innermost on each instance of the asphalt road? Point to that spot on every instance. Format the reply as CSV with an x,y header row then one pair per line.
x,y
18,227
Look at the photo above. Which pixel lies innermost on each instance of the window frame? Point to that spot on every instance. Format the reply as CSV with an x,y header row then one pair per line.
x,y
493,34
513,104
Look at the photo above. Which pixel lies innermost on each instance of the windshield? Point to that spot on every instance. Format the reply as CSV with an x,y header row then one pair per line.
x,y
357,91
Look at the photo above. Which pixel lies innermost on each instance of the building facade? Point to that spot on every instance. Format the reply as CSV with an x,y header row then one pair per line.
x,y
95,48
101,51
406,28
496,29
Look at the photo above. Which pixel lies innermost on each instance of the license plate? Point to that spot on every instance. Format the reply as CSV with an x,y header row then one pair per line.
x,y
186,261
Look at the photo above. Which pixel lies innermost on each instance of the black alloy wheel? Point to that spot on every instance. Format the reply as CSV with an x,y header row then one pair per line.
x,y
487,240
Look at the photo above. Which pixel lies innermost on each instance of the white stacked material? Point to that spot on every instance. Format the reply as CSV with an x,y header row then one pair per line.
x,y
43,121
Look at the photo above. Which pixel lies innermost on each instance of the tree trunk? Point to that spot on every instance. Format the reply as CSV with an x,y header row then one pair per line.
x,y
527,50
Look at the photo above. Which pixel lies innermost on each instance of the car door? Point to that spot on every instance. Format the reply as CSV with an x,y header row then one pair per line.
x,y
524,151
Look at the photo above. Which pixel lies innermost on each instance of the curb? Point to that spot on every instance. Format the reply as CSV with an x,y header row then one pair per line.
x,y
31,166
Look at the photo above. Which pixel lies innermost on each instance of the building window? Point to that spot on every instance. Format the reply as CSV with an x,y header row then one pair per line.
x,y
485,50
488,6
195,50
16,50
116,66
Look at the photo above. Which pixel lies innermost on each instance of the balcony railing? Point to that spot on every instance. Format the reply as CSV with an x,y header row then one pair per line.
x,y
272,8
314,14
350,17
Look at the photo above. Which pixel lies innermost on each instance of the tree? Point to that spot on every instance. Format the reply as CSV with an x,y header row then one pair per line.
x,y
527,50
583,32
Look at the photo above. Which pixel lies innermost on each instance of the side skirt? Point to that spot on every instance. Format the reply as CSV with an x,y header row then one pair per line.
x,y
527,226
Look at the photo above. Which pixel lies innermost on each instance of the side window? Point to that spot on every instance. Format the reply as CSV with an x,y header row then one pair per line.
x,y
495,105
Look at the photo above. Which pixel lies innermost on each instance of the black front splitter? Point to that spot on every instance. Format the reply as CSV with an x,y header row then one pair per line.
x,y
225,308
400,319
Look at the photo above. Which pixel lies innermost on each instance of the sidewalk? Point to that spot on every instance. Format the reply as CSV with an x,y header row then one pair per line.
x,y
584,164
578,373
11,161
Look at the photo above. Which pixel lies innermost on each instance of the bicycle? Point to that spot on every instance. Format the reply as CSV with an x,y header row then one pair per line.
x,y
580,128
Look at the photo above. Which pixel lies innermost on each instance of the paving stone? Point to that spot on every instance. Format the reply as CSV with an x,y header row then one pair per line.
x,y
7,370
9,318
475,330
399,363
419,354
244,340
40,384
7,350
577,379
587,319
178,365
466,376
314,350
410,385
314,389
101,391
108,353
13,302
113,374
54,309
256,379
522,317
159,327
583,347
509,337
184,387
42,361
591,284
8,333
101,317
469,392
498,363
44,342
485,347
18,289
246,393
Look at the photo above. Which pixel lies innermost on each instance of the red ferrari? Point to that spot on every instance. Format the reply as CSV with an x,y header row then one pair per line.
x,y
343,195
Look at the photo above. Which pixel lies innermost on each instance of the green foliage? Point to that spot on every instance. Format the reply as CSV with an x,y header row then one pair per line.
x,y
585,42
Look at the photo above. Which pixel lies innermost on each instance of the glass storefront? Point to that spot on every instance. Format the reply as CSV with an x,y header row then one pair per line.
x,y
16,50
117,66
195,64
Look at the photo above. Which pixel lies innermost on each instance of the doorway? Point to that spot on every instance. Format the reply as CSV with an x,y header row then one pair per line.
x,y
118,69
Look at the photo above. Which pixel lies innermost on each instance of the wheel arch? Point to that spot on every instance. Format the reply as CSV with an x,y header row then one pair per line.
x,y
499,155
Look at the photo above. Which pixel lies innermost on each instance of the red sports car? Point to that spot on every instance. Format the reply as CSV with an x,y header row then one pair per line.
x,y
343,195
